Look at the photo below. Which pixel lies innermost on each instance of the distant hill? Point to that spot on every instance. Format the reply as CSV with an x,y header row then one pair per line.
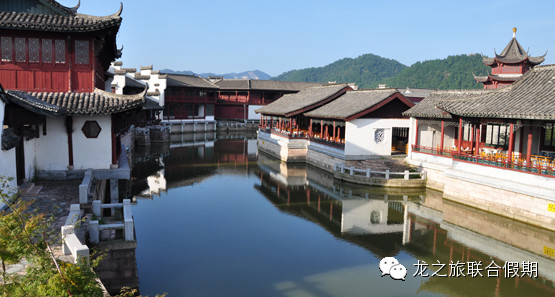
x,y
453,72
368,71
255,74
365,71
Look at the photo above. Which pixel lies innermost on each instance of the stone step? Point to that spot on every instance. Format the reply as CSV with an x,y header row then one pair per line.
x,y
25,187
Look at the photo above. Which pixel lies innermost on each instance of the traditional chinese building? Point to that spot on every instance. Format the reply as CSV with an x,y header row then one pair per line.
x,y
508,66
359,125
57,119
492,148
238,98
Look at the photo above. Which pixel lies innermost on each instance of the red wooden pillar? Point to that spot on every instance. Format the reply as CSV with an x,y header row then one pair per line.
x,y
326,133
442,135
334,131
472,133
511,138
310,129
307,196
477,151
529,147
279,127
459,141
416,132
322,129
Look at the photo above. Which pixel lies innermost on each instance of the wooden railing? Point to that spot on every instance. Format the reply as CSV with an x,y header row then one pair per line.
x,y
541,165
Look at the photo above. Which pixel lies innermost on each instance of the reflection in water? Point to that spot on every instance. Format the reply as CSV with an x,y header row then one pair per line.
x,y
230,240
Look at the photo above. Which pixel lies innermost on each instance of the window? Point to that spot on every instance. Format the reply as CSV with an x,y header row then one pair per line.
x,y
549,136
497,135
20,50
91,129
209,111
34,47
81,52
511,69
6,43
60,51
47,50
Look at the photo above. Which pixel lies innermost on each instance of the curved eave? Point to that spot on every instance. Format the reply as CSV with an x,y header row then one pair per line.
x,y
78,23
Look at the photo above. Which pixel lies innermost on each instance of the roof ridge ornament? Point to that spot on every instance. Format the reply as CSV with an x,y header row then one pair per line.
x,y
118,13
514,32
74,9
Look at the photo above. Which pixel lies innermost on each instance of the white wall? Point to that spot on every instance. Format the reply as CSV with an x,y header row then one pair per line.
x,y
360,140
52,148
7,158
95,153
253,115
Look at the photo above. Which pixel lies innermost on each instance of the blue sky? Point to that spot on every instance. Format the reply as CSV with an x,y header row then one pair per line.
x,y
277,36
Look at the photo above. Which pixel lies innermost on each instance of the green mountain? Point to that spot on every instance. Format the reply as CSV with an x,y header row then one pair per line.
x,y
363,70
454,72
368,71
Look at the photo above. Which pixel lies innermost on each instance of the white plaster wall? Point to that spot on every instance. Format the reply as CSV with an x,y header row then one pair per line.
x,y
29,151
7,158
253,115
359,136
95,153
52,149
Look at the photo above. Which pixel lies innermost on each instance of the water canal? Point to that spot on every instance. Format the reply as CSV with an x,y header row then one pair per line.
x,y
215,218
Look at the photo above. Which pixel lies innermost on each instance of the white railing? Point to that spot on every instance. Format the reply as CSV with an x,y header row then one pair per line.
x,y
351,170
87,192
71,244
126,224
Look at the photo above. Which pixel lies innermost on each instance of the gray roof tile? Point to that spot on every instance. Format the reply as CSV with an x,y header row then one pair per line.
x,y
354,102
291,104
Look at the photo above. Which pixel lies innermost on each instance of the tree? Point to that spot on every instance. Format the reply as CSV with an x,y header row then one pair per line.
x,y
24,235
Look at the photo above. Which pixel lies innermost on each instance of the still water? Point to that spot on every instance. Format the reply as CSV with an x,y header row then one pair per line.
x,y
215,218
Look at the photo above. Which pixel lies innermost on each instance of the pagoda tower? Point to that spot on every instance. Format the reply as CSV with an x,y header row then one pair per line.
x,y
508,66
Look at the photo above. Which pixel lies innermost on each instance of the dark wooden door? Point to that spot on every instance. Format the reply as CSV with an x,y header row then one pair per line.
x,y
20,161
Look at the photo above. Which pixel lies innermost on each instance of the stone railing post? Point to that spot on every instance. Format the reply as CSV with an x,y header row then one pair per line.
x,y
367,172
351,170
94,232
406,174
96,208
128,220
387,174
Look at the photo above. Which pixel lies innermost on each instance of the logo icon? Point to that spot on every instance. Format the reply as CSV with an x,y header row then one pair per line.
x,y
390,265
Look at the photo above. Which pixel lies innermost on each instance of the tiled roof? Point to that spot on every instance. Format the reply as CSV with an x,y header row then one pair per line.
x,y
291,104
427,108
356,102
514,53
531,97
67,20
415,92
98,102
185,80
266,85
33,104
496,77
56,23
